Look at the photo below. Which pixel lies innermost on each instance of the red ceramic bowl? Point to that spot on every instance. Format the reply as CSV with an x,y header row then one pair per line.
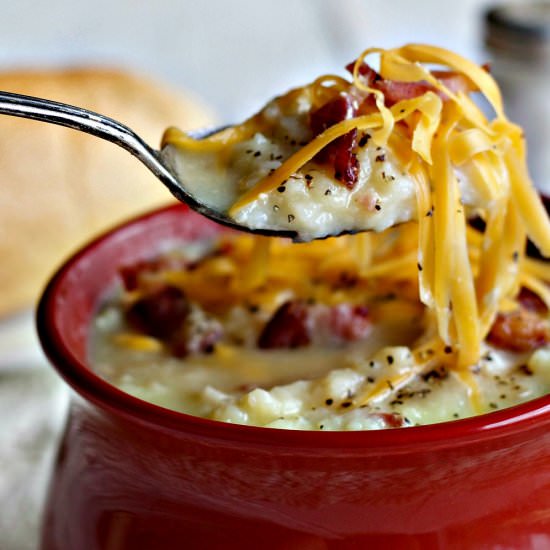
x,y
134,475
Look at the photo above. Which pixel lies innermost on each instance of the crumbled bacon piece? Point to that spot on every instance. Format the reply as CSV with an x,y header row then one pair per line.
x,y
287,328
531,301
367,106
456,82
368,74
166,314
330,113
396,90
297,324
520,330
392,420
346,165
159,313
349,323
339,153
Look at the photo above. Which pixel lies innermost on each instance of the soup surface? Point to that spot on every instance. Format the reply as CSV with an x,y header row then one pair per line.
x,y
435,313
332,354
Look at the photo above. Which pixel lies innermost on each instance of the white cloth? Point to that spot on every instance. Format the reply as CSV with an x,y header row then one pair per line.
x,y
32,409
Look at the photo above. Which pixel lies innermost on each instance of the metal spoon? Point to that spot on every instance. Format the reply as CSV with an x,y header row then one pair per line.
x,y
106,128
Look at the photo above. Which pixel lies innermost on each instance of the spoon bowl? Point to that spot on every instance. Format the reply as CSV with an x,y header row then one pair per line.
x,y
104,127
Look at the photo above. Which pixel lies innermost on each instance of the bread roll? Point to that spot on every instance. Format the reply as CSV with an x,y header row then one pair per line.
x,y
60,187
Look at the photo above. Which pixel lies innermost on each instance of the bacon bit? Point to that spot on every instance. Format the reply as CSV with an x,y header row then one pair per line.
x,y
346,165
392,420
297,324
160,313
396,90
339,153
350,323
287,328
521,330
368,74
165,314
130,277
456,82
367,106
329,114
345,280
531,301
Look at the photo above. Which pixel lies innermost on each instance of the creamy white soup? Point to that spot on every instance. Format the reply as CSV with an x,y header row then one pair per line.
x,y
336,354
436,313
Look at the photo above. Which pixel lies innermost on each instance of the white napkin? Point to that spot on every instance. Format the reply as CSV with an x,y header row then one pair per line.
x,y
33,402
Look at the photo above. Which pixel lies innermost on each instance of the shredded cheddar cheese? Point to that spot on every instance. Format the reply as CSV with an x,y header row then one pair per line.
x,y
463,277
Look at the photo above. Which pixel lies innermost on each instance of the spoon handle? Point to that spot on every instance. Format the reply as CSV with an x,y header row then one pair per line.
x,y
89,122
106,128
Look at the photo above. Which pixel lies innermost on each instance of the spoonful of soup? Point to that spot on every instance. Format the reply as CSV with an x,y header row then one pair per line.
x,y
364,152
341,155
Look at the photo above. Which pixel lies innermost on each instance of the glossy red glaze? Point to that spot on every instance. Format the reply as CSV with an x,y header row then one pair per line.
x,y
131,475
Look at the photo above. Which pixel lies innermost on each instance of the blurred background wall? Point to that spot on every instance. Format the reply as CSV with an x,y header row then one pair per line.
x,y
236,53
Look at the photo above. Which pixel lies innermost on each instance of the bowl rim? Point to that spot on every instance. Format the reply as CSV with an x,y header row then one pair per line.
x,y
455,433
